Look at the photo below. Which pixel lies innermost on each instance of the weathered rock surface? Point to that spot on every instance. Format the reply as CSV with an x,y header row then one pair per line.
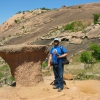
x,y
77,34
93,33
25,62
1,44
76,41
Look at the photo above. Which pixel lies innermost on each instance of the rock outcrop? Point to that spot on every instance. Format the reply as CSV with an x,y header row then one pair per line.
x,y
25,62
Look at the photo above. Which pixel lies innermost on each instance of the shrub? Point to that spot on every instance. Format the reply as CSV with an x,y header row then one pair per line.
x,y
86,57
96,18
17,21
79,7
95,51
74,26
45,8
5,75
23,27
1,75
70,26
25,31
44,65
4,38
12,78
9,36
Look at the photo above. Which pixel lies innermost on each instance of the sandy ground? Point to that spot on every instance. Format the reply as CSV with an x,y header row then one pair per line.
x,y
78,90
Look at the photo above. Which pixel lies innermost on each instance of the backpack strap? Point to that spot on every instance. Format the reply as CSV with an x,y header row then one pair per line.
x,y
61,49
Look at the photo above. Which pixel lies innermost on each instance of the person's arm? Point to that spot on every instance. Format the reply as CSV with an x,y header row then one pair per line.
x,y
64,55
64,51
49,60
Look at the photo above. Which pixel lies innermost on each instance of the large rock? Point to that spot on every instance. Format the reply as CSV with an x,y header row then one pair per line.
x,y
76,41
68,76
25,62
77,34
93,33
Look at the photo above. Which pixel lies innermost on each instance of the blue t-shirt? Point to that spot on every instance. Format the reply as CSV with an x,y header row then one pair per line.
x,y
57,50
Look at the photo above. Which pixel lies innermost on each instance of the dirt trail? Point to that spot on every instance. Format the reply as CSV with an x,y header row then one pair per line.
x,y
78,90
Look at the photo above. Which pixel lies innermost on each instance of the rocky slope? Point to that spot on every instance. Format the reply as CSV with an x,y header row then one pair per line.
x,y
41,26
28,26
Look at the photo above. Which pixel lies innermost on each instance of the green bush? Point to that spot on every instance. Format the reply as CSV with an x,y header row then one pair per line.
x,y
22,27
4,38
17,21
79,7
9,36
95,51
86,57
96,18
70,26
74,26
5,75
12,78
44,65
45,8
1,75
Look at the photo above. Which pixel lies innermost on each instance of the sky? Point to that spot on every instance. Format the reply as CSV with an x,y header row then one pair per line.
x,y
9,8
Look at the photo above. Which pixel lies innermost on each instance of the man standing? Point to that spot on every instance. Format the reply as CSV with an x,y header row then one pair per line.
x,y
56,55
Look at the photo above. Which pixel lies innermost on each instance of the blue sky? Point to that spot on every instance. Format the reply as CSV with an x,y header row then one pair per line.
x,y
10,7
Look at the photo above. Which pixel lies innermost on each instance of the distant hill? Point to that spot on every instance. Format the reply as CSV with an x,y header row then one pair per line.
x,y
29,27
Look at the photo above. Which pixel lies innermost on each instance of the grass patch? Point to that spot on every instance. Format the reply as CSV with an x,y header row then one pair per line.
x,y
76,26
3,38
5,75
44,65
82,71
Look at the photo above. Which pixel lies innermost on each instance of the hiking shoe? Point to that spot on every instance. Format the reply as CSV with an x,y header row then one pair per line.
x,y
55,87
60,89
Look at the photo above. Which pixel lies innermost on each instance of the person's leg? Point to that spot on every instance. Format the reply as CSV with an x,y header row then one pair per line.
x,y
55,70
60,72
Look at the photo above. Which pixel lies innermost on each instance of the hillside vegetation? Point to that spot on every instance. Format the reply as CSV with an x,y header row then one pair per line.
x,y
28,26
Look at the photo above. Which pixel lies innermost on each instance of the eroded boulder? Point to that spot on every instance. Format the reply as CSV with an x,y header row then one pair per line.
x,y
25,62
76,41
93,33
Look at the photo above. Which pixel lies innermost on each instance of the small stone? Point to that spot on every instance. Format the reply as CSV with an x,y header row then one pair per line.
x,y
68,76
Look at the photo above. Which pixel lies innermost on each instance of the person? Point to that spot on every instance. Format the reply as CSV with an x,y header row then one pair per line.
x,y
56,56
